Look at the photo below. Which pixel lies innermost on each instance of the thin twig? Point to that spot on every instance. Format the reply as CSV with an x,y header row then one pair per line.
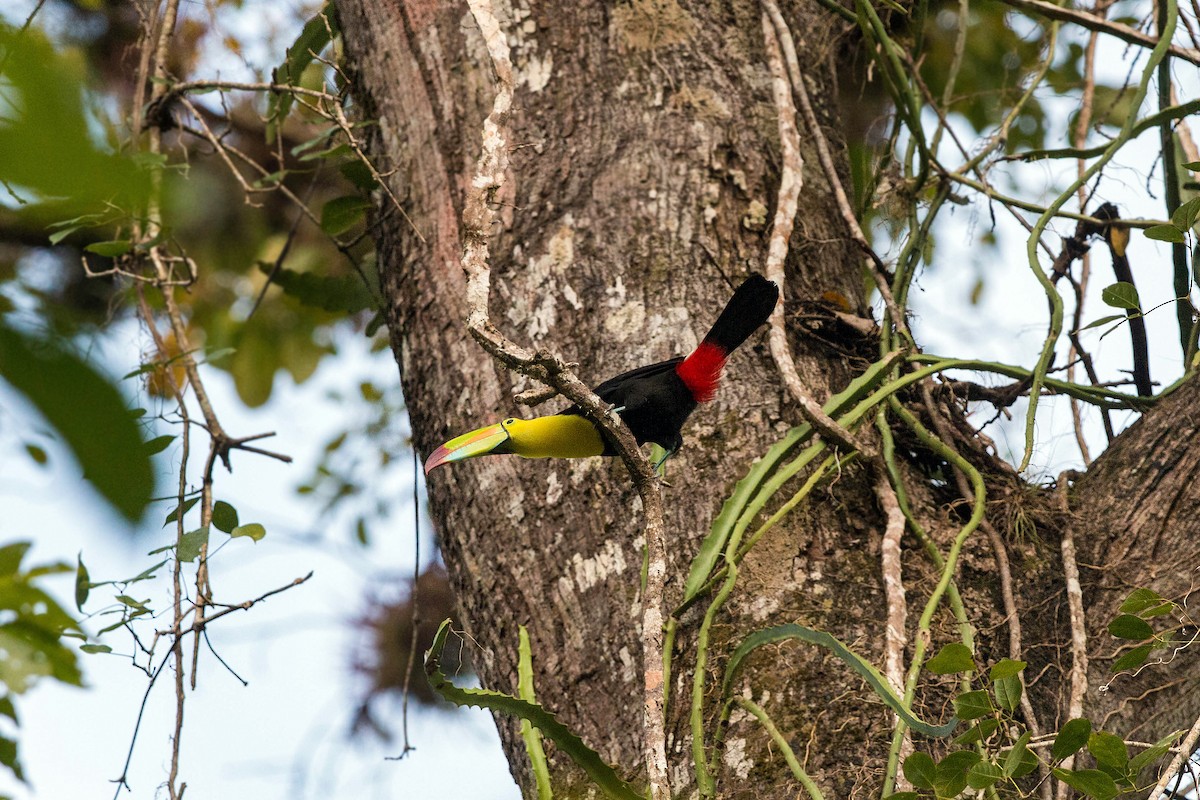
x,y
413,601
1095,23
478,217
207,133
123,780
1185,751
1079,139
226,609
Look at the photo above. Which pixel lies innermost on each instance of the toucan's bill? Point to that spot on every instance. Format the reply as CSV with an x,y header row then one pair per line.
x,y
476,443
557,436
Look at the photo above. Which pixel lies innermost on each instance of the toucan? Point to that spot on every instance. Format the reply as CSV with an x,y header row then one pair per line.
x,y
654,400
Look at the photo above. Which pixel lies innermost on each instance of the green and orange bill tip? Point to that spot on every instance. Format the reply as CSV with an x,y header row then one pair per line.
x,y
476,443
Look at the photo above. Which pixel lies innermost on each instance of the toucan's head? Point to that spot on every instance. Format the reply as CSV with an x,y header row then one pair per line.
x,y
492,440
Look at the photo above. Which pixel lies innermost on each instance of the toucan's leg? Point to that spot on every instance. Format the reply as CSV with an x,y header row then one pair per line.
x,y
658,466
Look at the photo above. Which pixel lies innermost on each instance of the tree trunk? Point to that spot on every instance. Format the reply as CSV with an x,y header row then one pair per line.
x,y
641,187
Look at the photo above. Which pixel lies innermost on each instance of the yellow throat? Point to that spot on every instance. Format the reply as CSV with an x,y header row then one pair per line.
x,y
558,436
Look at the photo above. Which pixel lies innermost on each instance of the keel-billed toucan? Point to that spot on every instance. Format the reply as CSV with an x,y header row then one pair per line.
x,y
654,401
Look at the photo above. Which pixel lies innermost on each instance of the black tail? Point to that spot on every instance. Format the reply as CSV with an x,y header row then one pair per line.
x,y
749,307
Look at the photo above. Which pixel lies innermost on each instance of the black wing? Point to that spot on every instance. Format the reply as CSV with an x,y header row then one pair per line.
x,y
611,390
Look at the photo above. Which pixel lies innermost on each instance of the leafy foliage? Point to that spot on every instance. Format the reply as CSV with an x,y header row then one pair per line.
x,y
31,632
587,759
89,414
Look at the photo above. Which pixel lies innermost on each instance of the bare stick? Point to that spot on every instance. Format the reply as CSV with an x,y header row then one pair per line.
x,y
895,637
123,780
478,217
1185,752
245,605
1079,654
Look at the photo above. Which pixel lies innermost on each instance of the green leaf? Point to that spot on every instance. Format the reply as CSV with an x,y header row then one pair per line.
x,y
11,556
359,174
587,759
83,583
88,412
8,757
1139,600
1146,603
95,648
224,517
531,736
1120,295
134,603
1073,735
1008,692
187,504
118,247
191,543
145,574
1154,753
336,151
158,444
920,770
1127,626
8,709
1006,668
253,531
1026,761
983,775
1109,750
1165,233
951,776
343,213
903,796
972,705
1185,216
52,136
1194,166
1019,760
978,732
1092,782
59,235
346,294
1133,659
313,38
1104,321
860,665
954,657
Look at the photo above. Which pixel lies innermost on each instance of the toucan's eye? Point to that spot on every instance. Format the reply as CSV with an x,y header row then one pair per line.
x,y
510,421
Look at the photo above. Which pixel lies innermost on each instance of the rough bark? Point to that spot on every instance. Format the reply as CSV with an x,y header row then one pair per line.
x,y
639,195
